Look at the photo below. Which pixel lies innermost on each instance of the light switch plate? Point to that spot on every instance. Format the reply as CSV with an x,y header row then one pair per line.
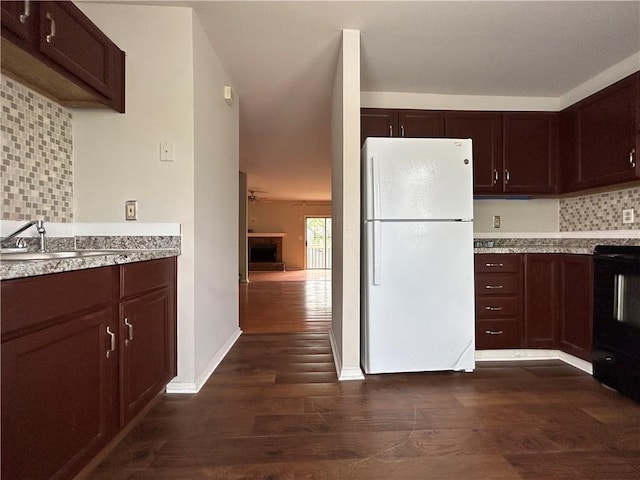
x,y
167,151
628,215
496,221
131,210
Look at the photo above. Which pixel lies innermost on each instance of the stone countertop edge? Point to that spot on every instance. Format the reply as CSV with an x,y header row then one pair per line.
x,y
10,270
540,249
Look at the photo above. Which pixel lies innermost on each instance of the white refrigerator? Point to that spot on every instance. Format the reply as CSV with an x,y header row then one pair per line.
x,y
417,266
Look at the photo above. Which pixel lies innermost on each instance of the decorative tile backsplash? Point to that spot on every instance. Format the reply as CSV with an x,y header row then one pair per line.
x,y
599,211
37,167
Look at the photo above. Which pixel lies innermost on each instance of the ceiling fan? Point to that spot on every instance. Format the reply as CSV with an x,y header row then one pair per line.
x,y
252,196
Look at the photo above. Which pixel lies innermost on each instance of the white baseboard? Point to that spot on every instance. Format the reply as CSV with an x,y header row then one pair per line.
x,y
509,355
344,374
194,387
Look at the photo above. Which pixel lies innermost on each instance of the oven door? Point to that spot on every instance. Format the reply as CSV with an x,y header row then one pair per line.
x,y
616,323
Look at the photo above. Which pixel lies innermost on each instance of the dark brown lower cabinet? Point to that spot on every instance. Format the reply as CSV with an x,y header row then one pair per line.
x,y
541,300
498,284
576,304
146,367
58,396
73,371
558,303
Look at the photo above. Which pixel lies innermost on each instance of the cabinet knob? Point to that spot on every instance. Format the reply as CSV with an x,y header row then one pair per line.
x,y
52,32
493,332
27,11
112,341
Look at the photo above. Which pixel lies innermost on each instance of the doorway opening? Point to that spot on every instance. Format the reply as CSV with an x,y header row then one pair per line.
x,y
318,243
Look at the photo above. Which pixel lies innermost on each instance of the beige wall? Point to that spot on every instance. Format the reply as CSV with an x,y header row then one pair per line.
x,y
289,218
345,194
174,93
535,215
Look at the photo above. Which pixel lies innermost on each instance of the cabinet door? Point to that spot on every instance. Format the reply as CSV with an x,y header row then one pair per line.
x,y
378,122
421,123
58,397
530,152
70,39
568,150
19,18
541,301
485,130
147,334
607,136
576,305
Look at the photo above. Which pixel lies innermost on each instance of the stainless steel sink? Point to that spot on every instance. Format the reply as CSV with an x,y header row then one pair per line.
x,y
28,256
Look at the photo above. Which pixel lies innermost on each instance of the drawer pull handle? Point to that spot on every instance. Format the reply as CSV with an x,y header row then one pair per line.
x,y
112,341
52,32
391,130
491,265
27,12
631,160
493,332
493,287
402,130
493,309
495,176
129,329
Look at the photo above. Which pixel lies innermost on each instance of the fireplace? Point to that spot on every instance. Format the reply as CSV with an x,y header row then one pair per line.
x,y
265,252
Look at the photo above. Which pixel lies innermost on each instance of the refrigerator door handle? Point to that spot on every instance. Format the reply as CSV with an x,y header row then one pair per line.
x,y
375,187
376,239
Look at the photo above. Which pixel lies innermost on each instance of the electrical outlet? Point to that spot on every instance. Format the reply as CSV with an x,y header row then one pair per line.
x,y
496,221
131,210
628,215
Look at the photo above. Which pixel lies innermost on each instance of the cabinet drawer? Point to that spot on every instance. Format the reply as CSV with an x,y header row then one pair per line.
x,y
494,306
498,284
498,333
497,263
140,277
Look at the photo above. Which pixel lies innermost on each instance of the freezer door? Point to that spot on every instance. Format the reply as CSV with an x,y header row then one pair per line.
x,y
417,179
418,299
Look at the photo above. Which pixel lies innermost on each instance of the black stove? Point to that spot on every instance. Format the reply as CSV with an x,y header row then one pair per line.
x,y
616,318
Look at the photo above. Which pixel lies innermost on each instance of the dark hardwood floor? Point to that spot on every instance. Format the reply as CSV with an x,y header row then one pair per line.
x,y
275,410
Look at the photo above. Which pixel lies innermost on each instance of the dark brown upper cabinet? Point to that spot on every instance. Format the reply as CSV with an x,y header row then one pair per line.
x,y
378,122
420,124
485,130
19,18
600,137
530,142
55,49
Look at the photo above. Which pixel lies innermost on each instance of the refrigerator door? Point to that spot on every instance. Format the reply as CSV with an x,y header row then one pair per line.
x,y
418,297
417,179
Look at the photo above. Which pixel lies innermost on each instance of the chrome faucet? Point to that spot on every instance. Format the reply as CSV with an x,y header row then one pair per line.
x,y
20,242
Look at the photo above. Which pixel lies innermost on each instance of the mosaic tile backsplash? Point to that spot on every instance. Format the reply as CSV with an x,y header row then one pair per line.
x,y
599,211
37,167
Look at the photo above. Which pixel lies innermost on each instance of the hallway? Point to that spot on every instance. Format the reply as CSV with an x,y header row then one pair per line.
x,y
286,302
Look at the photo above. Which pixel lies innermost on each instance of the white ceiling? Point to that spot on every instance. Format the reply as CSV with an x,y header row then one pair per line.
x,y
282,57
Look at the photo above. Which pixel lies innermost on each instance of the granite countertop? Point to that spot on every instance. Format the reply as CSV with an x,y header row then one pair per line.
x,y
29,268
575,246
